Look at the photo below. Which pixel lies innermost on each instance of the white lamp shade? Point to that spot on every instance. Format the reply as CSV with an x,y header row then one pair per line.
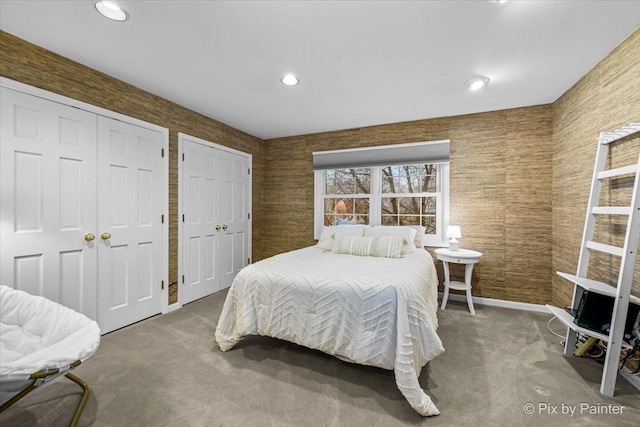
x,y
453,232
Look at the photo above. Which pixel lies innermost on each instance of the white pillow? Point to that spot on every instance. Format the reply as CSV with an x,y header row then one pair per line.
x,y
407,234
387,246
327,238
420,238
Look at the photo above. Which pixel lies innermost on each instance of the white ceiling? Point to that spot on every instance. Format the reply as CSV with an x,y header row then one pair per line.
x,y
360,63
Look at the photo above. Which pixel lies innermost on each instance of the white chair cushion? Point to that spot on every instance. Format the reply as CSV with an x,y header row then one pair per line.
x,y
36,333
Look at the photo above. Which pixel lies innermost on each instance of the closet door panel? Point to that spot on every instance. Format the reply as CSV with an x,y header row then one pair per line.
x,y
200,192
129,223
215,233
234,204
48,206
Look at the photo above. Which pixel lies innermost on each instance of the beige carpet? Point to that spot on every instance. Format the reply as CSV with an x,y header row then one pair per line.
x,y
168,371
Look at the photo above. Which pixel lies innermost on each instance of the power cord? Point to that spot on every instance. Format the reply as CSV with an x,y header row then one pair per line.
x,y
601,348
551,330
630,353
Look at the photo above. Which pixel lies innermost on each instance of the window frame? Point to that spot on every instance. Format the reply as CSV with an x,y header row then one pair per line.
x,y
375,200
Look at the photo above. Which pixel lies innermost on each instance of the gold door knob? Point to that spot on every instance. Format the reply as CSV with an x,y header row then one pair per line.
x,y
218,227
89,237
105,236
224,227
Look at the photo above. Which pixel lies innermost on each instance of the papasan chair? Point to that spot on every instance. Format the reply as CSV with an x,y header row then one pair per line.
x,y
40,341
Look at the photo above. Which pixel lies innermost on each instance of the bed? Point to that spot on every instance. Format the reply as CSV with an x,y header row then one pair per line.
x,y
372,310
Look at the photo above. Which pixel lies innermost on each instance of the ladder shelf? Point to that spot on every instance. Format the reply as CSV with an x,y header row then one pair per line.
x,y
595,286
567,320
628,254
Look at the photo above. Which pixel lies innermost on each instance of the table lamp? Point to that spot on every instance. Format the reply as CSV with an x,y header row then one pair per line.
x,y
453,233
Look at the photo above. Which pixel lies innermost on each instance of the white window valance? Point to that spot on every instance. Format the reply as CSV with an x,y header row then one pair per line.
x,y
384,155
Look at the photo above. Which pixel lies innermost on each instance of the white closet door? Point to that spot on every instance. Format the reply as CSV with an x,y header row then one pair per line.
x,y
200,195
130,190
48,205
234,214
215,193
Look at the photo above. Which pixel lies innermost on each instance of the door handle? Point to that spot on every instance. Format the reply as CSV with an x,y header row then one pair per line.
x,y
105,236
89,237
218,227
224,227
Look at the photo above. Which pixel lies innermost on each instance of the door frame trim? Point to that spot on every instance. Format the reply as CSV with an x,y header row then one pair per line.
x,y
181,137
60,99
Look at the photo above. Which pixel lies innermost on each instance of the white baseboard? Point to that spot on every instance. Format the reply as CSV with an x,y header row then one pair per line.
x,y
173,307
538,308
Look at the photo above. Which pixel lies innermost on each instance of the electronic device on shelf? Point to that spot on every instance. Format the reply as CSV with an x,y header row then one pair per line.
x,y
595,311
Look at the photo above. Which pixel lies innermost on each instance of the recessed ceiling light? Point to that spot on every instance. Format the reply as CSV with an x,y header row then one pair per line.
x,y
111,10
289,80
477,83
498,1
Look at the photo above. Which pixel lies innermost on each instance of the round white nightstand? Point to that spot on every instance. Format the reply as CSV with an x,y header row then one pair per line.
x,y
461,256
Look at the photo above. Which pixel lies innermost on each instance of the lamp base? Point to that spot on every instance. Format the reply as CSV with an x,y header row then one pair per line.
x,y
453,245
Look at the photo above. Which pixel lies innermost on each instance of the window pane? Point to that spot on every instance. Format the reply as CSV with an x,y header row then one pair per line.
x,y
361,206
392,170
348,181
387,183
389,205
329,220
429,179
346,211
330,205
363,180
410,205
414,184
415,170
409,179
429,222
389,220
410,220
343,182
429,205
329,177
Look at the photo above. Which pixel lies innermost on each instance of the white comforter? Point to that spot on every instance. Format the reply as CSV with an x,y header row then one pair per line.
x,y
374,311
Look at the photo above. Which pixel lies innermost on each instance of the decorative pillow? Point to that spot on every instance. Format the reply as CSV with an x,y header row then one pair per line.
x,y
327,238
420,236
406,234
387,246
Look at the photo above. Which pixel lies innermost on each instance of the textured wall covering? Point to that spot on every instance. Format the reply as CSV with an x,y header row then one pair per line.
x,y
35,66
605,98
516,175
500,191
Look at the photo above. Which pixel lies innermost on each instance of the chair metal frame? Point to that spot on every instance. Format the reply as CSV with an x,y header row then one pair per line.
x,y
43,377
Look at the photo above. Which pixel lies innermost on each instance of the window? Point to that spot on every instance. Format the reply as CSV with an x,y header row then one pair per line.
x,y
402,184
411,194
347,195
